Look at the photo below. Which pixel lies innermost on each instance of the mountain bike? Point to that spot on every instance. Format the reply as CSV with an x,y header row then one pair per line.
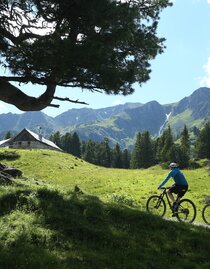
x,y
184,212
206,213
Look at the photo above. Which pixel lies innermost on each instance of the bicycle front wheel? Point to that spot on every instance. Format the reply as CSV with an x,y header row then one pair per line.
x,y
156,205
186,211
206,214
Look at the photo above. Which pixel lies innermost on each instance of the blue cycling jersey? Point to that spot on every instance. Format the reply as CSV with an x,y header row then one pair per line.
x,y
177,176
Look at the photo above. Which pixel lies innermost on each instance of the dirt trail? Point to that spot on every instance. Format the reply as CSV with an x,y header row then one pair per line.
x,y
202,224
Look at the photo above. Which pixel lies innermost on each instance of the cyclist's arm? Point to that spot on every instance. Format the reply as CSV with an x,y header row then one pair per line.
x,y
165,180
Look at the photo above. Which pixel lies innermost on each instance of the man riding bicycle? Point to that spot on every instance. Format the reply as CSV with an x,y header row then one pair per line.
x,y
180,187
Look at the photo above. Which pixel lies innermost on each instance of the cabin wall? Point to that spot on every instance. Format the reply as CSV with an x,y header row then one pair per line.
x,y
29,145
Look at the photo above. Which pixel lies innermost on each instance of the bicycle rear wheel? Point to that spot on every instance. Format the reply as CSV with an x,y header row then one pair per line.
x,y
206,214
156,205
186,211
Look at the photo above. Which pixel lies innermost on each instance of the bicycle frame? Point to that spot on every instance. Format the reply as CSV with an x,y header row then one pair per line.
x,y
167,198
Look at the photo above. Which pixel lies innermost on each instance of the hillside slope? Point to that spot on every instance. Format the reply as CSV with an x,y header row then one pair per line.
x,y
47,223
66,171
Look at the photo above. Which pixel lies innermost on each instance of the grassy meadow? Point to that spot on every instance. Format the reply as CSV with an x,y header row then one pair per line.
x,y
48,223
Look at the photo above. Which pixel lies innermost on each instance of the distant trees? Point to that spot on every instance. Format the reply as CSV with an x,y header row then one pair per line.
x,y
184,147
203,142
56,138
185,140
89,152
68,142
102,154
143,154
167,150
7,135
126,159
147,151
93,152
135,160
75,147
165,146
117,157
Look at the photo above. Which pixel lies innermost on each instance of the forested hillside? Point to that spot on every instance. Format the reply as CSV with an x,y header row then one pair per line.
x,y
146,151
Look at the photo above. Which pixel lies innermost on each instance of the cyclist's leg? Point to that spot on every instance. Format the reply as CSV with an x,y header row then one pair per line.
x,y
176,190
170,192
181,190
170,195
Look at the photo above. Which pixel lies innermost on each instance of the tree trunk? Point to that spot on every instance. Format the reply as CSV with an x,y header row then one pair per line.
x,y
12,95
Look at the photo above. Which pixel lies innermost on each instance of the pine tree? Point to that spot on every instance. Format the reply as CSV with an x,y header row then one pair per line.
x,y
166,146
157,149
203,142
185,140
66,142
104,153
195,131
117,157
7,135
146,153
56,138
184,148
90,152
75,145
126,159
83,145
135,157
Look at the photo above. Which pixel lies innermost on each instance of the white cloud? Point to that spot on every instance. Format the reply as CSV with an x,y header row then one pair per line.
x,y
205,81
118,102
208,1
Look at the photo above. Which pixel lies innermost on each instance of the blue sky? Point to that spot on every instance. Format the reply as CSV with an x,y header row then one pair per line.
x,y
180,70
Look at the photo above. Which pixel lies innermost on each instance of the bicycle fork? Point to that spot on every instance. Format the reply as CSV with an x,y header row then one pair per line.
x,y
158,202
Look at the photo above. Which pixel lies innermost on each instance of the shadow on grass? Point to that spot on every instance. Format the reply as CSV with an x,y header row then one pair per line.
x,y
86,233
9,155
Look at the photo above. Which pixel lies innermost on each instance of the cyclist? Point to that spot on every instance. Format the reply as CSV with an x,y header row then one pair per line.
x,y
180,187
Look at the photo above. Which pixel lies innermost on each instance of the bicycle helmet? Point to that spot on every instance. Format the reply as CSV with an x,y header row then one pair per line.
x,y
173,165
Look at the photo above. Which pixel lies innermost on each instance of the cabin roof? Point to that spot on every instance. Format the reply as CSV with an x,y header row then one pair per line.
x,y
42,139
4,141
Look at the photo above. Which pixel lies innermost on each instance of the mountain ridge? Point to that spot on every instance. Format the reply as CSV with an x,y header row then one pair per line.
x,y
119,123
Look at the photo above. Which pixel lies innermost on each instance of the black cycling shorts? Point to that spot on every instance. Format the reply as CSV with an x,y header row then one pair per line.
x,y
179,189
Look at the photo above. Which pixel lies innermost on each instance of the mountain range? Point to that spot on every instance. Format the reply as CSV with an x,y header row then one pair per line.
x,y
118,123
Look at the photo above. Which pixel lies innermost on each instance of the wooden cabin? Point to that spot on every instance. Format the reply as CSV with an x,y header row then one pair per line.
x,y
27,139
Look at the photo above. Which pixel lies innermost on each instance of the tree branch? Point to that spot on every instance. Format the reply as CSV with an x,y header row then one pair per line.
x,y
69,100
12,95
43,81
33,80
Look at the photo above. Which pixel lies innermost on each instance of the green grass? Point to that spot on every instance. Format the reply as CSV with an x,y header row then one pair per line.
x,y
65,171
45,223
